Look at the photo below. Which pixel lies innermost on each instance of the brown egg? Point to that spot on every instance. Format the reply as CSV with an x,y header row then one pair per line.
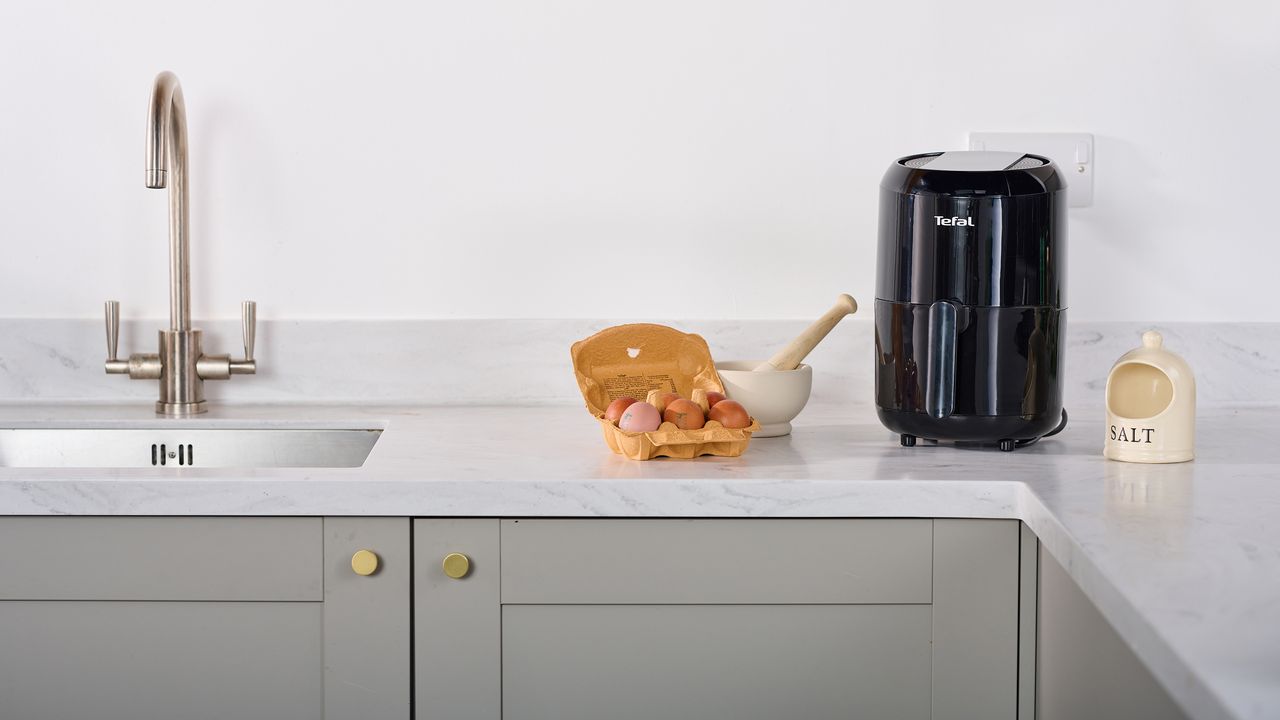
x,y
714,397
640,417
730,414
699,398
614,412
684,414
667,399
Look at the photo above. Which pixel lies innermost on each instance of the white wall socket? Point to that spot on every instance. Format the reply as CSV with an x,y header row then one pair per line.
x,y
1072,152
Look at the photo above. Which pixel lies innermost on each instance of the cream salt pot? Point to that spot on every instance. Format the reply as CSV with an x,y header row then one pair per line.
x,y
1151,405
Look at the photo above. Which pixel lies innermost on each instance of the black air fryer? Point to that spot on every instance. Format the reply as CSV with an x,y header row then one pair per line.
x,y
969,298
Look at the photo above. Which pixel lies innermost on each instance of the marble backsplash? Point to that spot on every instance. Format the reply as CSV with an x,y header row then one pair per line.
x,y
527,361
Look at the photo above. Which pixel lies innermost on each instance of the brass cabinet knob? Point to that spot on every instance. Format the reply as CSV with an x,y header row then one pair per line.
x,y
456,565
364,562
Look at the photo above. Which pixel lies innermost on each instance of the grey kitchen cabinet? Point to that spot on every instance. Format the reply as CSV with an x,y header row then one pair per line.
x,y
1086,669
710,618
207,617
200,617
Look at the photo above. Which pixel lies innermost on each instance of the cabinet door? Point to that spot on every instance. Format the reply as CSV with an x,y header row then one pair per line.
x,y
175,618
457,622
367,636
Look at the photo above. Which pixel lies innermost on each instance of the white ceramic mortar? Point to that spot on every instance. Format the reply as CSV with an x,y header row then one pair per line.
x,y
773,398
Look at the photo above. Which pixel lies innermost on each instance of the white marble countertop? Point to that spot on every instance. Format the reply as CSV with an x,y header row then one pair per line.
x,y
1184,560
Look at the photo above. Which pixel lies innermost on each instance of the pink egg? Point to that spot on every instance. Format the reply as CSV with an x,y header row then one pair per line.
x,y
640,417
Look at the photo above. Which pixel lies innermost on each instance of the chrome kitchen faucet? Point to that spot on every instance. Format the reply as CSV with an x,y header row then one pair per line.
x,y
181,365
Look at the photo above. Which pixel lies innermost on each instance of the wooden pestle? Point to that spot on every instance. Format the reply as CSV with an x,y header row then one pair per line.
x,y
789,357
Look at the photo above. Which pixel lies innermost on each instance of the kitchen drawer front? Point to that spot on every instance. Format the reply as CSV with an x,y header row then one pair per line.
x,y
594,562
161,558
734,662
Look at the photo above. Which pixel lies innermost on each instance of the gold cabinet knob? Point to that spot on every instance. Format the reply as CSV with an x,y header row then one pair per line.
x,y
364,562
456,565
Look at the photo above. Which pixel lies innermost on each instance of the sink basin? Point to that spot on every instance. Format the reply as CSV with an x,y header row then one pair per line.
x,y
179,447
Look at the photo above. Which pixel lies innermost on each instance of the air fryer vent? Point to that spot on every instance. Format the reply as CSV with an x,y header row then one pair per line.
x,y
919,162
1025,163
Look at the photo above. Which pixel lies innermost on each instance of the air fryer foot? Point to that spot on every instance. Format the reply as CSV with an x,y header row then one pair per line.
x,y
1007,445
908,440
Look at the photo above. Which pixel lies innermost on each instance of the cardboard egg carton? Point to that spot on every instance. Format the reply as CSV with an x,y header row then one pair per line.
x,y
641,359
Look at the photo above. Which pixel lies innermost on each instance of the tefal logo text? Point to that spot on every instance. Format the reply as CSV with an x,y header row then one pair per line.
x,y
953,221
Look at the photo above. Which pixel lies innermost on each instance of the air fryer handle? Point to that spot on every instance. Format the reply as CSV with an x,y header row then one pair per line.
x,y
940,372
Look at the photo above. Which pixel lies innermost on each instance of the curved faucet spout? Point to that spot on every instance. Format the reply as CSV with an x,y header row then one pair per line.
x,y
166,166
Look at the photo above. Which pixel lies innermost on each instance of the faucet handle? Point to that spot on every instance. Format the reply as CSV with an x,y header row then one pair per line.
x,y
113,328
114,364
249,321
247,366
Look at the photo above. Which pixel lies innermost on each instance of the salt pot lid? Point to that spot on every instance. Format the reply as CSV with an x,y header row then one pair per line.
x,y
1154,353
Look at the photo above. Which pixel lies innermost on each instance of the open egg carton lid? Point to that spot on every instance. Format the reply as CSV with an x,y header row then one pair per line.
x,y
633,360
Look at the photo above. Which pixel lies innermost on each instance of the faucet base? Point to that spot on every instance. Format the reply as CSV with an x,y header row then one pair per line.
x,y
181,387
168,409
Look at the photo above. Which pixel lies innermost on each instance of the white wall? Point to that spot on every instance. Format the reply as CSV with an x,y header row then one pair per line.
x,y
617,159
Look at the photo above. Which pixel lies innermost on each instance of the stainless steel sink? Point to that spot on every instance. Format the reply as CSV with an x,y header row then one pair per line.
x,y
180,448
